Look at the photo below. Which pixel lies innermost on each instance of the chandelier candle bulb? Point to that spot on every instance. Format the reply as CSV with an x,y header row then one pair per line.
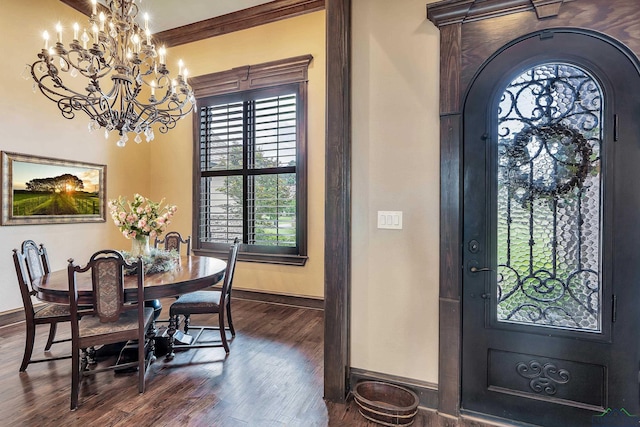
x,y
146,22
94,5
59,32
136,43
45,36
95,31
76,30
85,39
102,18
162,53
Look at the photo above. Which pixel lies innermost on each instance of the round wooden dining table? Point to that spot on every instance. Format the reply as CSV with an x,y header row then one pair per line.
x,y
192,273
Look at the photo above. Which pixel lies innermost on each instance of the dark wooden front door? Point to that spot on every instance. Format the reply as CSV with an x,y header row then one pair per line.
x,y
551,282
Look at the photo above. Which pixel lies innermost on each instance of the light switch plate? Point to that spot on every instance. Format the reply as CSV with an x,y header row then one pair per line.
x,y
391,220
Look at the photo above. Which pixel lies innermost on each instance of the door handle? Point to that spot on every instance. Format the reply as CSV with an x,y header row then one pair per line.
x,y
475,269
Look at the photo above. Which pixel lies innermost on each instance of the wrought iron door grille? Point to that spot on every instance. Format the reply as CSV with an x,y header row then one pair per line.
x,y
549,199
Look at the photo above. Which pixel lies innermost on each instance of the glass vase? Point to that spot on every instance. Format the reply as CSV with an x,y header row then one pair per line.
x,y
140,246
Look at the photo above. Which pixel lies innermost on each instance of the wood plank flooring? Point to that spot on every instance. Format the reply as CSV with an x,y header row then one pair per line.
x,y
272,377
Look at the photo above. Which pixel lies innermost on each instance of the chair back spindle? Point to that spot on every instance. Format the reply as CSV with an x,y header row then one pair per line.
x,y
35,259
174,241
25,284
231,268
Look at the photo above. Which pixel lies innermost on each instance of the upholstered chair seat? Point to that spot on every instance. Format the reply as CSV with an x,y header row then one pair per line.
x,y
91,326
51,310
199,302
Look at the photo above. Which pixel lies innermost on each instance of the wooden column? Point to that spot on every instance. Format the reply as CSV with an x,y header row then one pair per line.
x,y
450,220
337,253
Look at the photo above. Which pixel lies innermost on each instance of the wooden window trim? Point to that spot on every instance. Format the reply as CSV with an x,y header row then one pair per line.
x,y
242,79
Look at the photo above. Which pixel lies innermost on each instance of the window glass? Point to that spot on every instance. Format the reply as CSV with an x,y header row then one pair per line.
x,y
250,145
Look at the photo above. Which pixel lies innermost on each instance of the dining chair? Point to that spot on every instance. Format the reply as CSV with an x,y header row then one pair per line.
x,y
110,319
174,241
207,302
32,262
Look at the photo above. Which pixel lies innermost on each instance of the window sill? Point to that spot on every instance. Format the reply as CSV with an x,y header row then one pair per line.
x,y
282,259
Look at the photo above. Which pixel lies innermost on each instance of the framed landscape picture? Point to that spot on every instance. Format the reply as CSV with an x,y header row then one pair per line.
x,y
41,190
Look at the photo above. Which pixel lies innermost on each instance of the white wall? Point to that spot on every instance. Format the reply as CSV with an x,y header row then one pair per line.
x,y
395,66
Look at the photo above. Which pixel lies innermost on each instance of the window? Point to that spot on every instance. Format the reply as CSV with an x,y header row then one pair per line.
x,y
250,162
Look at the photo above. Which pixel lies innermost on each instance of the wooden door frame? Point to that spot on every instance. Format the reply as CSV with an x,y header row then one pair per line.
x,y
470,32
337,229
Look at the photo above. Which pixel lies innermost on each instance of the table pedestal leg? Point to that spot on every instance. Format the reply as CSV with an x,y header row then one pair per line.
x,y
171,332
151,335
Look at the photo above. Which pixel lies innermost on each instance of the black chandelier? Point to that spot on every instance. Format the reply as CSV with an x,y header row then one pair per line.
x,y
125,84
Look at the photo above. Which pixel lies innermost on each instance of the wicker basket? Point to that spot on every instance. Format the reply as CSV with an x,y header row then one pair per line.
x,y
386,404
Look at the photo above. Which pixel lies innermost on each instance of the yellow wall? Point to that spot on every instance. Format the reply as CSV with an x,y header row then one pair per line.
x,y
171,154
31,124
394,314
395,161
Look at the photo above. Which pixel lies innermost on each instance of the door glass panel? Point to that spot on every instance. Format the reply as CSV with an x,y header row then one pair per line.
x,y
549,217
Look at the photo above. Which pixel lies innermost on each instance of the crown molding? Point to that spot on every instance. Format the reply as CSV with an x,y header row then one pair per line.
x,y
240,20
235,21
449,12
283,71
81,6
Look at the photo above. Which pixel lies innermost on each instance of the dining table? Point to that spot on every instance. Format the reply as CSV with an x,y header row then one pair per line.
x,y
192,273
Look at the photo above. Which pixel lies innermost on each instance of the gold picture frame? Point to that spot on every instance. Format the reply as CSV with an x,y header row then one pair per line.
x,y
43,190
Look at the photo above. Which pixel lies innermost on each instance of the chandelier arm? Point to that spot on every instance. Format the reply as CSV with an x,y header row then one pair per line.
x,y
49,70
96,64
55,95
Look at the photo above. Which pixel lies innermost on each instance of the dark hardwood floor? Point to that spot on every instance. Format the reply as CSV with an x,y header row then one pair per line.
x,y
272,377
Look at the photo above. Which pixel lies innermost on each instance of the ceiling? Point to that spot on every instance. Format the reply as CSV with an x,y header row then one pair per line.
x,y
169,14
176,22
